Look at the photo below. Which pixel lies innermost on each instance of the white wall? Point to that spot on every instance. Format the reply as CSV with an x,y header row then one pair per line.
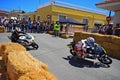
x,y
116,18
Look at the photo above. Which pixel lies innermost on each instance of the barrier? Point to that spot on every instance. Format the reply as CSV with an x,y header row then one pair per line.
x,y
20,65
110,43
2,29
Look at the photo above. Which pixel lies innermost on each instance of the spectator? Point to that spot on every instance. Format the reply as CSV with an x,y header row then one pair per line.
x,y
67,28
56,29
86,28
109,30
117,30
30,26
61,27
102,29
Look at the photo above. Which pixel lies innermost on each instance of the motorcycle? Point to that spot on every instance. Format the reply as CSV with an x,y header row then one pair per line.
x,y
24,39
93,52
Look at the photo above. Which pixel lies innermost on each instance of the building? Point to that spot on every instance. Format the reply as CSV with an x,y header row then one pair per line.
x,y
112,5
54,11
4,14
15,14
18,14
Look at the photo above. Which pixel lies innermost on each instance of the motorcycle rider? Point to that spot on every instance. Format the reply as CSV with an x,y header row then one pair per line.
x,y
15,35
81,46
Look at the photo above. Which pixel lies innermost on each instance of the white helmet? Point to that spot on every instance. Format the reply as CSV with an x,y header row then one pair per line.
x,y
91,41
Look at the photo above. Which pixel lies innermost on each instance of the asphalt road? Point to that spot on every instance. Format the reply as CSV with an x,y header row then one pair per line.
x,y
54,52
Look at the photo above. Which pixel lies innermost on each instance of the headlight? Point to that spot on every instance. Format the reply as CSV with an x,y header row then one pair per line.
x,y
32,38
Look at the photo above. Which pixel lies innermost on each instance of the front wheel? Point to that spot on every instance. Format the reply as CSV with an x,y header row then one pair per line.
x,y
35,46
105,60
72,52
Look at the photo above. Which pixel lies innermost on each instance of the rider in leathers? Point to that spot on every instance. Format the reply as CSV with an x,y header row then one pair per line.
x,y
81,46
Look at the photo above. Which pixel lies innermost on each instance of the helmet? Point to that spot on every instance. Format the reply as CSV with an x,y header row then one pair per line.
x,y
91,41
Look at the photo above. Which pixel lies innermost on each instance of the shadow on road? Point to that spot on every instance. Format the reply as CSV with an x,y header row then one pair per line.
x,y
81,63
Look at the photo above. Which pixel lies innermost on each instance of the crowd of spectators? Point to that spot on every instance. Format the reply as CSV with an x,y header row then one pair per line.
x,y
43,27
108,29
26,26
33,26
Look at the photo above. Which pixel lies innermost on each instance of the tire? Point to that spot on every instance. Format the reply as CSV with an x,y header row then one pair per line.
x,y
105,60
35,46
72,52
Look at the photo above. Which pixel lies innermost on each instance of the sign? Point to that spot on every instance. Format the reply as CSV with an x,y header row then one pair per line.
x,y
108,19
48,16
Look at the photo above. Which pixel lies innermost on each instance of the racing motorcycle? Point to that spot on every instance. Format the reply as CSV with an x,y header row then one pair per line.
x,y
24,39
93,52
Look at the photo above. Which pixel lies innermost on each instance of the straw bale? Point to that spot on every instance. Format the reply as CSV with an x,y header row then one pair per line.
x,y
116,54
1,50
1,63
82,35
0,58
78,36
102,38
112,49
111,46
22,62
38,75
51,32
0,69
2,29
65,36
8,47
115,40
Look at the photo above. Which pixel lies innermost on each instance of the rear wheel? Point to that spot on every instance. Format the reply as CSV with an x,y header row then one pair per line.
x,y
105,60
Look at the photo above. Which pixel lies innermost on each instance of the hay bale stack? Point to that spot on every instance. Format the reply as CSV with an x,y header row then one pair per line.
x,y
115,40
0,64
81,35
111,43
38,75
0,69
2,29
63,35
51,32
21,63
10,47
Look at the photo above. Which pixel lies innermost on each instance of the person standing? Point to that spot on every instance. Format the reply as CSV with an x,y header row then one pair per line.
x,y
86,28
56,29
67,28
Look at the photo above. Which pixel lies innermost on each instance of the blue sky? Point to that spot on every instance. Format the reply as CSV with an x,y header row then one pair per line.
x,y
32,5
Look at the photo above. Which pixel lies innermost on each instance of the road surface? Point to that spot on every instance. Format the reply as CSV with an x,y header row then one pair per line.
x,y
54,52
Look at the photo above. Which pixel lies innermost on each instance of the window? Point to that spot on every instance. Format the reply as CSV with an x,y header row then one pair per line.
x,y
62,17
85,21
38,18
